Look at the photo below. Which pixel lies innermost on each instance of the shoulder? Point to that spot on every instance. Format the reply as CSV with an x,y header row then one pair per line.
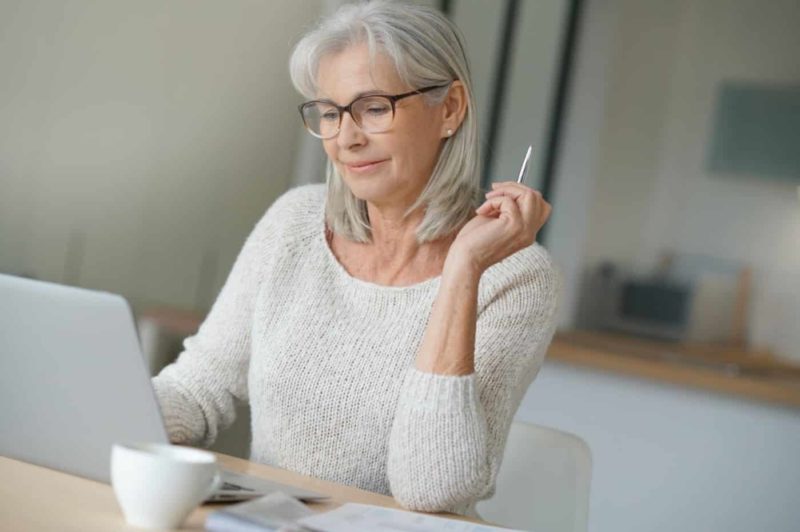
x,y
527,283
296,214
298,202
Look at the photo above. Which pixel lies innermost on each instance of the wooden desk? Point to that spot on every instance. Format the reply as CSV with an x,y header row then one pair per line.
x,y
37,498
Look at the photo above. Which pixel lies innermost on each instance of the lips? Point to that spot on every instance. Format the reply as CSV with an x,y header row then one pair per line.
x,y
364,166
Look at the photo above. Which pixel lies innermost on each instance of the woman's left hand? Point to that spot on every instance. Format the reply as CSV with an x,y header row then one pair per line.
x,y
507,221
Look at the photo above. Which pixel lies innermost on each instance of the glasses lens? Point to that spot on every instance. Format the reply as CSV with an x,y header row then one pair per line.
x,y
321,119
374,114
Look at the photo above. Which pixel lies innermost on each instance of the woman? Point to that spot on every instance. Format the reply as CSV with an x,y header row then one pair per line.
x,y
382,328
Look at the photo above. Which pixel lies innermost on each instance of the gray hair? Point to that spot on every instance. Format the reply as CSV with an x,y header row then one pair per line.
x,y
426,49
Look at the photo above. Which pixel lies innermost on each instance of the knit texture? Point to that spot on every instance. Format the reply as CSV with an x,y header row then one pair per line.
x,y
326,362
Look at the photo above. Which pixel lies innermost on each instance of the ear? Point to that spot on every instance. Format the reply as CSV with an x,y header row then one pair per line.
x,y
454,108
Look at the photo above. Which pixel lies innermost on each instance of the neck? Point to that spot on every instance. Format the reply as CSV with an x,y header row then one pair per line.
x,y
394,239
394,257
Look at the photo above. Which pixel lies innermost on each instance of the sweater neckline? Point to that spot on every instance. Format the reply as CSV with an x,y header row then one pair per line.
x,y
342,272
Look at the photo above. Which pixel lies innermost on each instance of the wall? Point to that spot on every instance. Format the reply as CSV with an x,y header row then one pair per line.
x,y
640,58
528,98
652,189
574,182
140,141
668,458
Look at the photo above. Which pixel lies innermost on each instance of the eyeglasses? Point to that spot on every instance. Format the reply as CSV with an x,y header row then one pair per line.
x,y
373,113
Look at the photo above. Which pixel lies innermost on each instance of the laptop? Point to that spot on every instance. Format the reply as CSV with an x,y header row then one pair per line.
x,y
73,381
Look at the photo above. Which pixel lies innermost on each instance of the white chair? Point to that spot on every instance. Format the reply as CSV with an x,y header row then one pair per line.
x,y
543,483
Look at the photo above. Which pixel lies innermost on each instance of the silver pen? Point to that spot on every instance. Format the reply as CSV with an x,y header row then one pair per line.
x,y
524,169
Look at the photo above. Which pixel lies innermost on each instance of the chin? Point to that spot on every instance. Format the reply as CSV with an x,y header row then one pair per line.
x,y
371,191
371,188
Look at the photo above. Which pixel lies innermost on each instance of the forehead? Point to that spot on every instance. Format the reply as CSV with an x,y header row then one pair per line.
x,y
347,74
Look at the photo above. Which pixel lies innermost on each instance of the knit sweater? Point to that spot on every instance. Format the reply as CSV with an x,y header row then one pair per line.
x,y
326,362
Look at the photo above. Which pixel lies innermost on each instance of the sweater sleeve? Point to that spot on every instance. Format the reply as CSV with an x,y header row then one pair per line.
x,y
198,393
449,432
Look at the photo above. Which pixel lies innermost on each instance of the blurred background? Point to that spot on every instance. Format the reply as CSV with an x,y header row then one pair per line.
x,y
140,141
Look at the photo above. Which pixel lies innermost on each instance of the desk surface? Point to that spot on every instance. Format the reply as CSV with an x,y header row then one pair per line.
x,y
37,498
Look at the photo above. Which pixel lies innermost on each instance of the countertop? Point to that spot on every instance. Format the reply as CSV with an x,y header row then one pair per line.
x,y
755,375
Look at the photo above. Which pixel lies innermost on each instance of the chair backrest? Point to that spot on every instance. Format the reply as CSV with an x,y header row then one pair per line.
x,y
543,482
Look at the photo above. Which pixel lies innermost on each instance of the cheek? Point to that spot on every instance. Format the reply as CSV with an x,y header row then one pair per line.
x,y
421,150
330,148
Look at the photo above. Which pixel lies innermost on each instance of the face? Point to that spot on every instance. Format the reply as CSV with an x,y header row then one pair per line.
x,y
388,168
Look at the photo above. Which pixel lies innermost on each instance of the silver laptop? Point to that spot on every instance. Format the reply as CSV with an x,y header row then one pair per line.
x,y
73,380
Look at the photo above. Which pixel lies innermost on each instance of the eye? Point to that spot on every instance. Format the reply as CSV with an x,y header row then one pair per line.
x,y
377,110
330,116
324,112
373,107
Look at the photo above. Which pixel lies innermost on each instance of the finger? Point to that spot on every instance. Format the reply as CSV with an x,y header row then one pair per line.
x,y
510,185
492,205
502,207
546,212
503,183
529,200
514,190
486,209
534,207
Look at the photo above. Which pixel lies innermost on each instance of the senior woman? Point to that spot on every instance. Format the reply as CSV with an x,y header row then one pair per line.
x,y
385,326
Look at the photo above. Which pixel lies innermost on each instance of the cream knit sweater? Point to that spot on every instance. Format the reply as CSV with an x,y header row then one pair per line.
x,y
326,362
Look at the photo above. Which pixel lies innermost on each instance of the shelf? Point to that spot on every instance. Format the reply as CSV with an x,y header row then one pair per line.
x,y
724,369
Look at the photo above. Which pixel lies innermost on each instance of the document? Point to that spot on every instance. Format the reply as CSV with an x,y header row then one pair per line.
x,y
279,512
354,517
272,513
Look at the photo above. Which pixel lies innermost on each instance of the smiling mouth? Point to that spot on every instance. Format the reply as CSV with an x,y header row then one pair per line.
x,y
365,167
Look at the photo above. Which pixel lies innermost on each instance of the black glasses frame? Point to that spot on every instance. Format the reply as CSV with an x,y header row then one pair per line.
x,y
393,99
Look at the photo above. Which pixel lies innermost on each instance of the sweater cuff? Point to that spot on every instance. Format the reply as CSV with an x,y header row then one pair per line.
x,y
432,392
180,419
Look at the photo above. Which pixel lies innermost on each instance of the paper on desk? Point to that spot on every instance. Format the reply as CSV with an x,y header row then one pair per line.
x,y
354,517
275,512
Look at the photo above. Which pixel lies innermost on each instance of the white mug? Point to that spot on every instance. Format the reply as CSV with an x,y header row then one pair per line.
x,y
157,485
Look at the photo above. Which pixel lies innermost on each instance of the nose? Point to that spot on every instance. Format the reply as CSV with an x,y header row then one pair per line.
x,y
350,135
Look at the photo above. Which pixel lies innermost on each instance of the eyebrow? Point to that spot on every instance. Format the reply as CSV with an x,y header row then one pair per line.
x,y
373,92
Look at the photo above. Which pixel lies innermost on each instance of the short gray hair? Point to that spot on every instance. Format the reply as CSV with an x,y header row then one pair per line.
x,y
426,49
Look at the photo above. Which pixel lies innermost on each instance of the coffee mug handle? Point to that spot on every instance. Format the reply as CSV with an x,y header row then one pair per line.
x,y
216,483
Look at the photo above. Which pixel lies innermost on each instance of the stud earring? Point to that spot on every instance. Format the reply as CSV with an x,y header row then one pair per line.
x,y
449,132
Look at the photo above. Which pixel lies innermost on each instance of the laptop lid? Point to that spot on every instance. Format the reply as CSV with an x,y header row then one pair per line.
x,y
73,379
